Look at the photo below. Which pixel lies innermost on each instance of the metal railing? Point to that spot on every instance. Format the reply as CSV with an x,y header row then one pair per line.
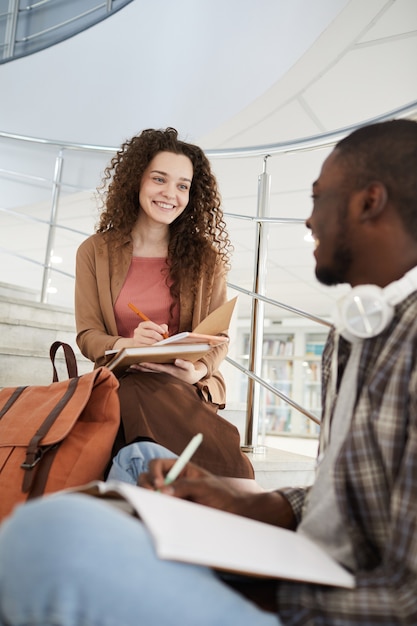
x,y
28,27
261,219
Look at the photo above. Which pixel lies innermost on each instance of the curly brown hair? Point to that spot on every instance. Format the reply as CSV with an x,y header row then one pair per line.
x,y
200,226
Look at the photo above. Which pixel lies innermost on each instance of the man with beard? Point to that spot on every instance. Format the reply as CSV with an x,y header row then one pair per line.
x,y
71,557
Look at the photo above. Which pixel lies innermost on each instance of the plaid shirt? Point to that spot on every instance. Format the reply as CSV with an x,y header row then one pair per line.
x,y
376,488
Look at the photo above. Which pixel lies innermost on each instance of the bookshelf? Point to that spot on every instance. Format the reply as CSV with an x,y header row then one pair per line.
x,y
292,364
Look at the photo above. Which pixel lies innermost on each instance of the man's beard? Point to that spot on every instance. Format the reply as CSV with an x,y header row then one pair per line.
x,y
337,273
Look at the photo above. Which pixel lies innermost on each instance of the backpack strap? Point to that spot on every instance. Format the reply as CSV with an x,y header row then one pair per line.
x,y
16,393
70,359
35,451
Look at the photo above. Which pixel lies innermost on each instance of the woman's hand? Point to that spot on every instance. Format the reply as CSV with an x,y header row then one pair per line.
x,y
186,371
148,333
145,334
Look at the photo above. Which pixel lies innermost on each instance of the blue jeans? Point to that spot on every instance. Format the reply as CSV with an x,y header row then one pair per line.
x,y
72,560
134,459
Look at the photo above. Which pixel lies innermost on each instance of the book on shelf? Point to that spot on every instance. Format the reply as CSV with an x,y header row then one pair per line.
x,y
190,346
278,345
188,532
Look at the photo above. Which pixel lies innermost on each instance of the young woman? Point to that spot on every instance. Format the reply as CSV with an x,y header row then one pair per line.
x,y
161,244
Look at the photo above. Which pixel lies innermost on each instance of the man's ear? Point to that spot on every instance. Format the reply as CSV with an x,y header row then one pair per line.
x,y
375,198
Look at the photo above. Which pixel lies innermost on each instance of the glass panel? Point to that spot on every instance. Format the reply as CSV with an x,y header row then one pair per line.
x,y
43,23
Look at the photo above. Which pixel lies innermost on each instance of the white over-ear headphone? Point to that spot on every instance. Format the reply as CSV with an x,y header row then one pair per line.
x,y
367,309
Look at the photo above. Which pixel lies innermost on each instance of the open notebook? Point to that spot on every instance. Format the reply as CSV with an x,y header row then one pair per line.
x,y
190,346
189,532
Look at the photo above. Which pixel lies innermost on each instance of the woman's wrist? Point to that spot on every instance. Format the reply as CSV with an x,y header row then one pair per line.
x,y
201,368
122,342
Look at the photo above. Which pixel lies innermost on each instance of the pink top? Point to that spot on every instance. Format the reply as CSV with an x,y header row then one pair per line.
x,y
146,287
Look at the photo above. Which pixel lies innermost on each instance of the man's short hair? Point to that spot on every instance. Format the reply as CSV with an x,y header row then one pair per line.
x,y
385,152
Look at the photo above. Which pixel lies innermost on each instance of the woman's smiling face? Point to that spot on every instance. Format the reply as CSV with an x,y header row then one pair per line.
x,y
165,187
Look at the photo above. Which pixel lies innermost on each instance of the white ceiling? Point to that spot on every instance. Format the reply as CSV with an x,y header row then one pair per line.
x,y
226,74
192,64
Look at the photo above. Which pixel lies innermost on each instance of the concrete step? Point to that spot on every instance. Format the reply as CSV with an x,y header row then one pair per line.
x,y
27,330
275,468
8,290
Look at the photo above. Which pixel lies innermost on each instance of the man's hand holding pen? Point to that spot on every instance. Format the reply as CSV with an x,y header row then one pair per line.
x,y
183,479
193,483
219,492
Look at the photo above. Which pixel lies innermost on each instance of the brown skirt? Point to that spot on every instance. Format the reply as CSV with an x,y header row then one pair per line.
x,y
159,407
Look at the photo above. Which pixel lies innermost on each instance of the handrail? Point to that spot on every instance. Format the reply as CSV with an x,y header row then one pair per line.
x,y
307,143
281,305
20,19
51,29
58,144
312,142
38,220
274,390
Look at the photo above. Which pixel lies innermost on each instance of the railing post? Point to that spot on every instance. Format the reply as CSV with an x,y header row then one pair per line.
x,y
56,187
10,34
258,311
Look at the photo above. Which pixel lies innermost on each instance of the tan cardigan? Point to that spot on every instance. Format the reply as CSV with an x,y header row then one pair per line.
x,y
100,273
